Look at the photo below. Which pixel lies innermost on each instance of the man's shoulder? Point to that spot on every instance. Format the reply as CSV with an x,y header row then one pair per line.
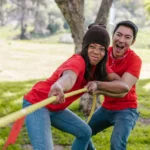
x,y
133,55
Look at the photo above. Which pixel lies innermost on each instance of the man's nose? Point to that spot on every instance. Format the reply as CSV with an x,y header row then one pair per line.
x,y
122,39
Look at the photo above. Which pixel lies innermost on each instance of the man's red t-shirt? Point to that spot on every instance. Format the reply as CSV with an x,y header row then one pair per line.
x,y
130,63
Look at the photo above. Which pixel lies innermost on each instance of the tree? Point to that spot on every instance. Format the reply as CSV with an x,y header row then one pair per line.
x,y
73,12
40,15
2,2
147,7
21,13
103,11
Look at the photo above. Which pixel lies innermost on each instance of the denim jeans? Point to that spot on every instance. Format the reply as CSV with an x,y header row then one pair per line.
x,y
123,122
39,125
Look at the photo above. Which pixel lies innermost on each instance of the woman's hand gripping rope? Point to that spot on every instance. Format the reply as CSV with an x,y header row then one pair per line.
x,y
23,112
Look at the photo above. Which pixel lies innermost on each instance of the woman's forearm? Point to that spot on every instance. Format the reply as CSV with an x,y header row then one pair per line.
x,y
67,80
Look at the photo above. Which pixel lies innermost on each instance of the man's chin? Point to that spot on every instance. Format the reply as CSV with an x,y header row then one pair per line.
x,y
116,55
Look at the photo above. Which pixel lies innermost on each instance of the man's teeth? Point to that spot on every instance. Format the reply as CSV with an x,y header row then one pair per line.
x,y
120,47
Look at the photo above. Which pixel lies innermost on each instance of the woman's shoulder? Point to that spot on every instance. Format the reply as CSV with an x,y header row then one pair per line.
x,y
76,58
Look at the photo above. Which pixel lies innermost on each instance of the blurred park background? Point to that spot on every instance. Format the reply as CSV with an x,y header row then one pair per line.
x,y
36,36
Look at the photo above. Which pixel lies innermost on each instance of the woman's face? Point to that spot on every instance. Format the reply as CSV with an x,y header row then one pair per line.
x,y
96,53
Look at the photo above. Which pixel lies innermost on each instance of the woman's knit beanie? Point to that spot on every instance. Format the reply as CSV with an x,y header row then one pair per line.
x,y
96,33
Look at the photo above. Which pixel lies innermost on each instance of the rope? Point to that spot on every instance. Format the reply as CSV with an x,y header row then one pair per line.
x,y
93,108
23,112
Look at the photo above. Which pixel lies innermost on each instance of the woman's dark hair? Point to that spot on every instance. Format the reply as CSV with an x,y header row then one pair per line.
x,y
128,24
100,72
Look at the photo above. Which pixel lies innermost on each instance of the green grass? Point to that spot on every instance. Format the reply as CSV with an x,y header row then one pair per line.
x,y
11,101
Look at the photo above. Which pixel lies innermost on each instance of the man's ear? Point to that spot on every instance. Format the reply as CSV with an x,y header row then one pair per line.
x,y
133,42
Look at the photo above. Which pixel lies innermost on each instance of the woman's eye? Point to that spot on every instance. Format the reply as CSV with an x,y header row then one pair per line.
x,y
102,49
92,47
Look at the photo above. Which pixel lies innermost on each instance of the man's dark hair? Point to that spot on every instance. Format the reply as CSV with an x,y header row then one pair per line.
x,y
129,24
100,72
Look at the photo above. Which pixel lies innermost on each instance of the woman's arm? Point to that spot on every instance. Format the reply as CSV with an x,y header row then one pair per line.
x,y
63,84
67,80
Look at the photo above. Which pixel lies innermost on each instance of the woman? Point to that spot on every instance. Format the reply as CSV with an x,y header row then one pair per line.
x,y
73,74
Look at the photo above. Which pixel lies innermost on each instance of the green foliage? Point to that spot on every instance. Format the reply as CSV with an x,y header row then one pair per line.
x,y
143,34
53,28
66,26
147,5
144,98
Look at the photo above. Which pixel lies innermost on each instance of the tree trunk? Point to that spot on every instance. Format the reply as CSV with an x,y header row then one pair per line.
x,y
36,26
1,13
86,102
22,20
103,11
73,11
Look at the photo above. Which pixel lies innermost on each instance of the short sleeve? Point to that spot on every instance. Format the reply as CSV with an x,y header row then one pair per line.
x,y
76,63
134,66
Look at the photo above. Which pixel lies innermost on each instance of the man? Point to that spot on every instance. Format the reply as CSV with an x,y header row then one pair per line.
x,y
119,109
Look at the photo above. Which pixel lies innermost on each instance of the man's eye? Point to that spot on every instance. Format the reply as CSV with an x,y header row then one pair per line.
x,y
127,37
102,49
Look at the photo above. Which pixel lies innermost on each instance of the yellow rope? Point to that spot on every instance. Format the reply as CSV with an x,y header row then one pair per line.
x,y
93,108
23,112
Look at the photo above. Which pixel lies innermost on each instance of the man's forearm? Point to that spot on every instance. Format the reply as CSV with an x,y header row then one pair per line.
x,y
117,95
117,87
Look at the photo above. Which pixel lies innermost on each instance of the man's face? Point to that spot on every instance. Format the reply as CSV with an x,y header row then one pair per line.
x,y
122,40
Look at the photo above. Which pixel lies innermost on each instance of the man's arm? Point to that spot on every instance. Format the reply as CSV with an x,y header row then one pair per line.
x,y
116,84
117,95
117,88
